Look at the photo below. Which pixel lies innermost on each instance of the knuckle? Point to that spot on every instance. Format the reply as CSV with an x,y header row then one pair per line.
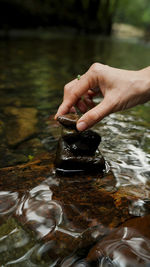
x,y
95,67
66,88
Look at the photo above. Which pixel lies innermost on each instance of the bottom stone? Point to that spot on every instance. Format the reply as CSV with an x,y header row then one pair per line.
x,y
66,162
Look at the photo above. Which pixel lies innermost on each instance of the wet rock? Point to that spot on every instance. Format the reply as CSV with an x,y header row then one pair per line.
x,y
14,159
32,146
21,124
88,202
66,160
20,178
131,243
10,158
68,120
14,241
140,207
87,206
76,151
92,235
63,243
75,221
143,222
84,143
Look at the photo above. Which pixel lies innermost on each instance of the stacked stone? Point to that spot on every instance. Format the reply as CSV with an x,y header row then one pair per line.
x,y
77,151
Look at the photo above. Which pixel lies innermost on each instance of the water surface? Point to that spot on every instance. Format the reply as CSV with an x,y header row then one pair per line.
x,y
53,222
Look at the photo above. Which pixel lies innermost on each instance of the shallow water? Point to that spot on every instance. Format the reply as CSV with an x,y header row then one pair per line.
x,y
50,221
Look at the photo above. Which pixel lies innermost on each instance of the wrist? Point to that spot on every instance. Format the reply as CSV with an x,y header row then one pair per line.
x,y
145,84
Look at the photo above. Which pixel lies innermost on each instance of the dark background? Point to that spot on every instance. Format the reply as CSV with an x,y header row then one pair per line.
x,y
88,16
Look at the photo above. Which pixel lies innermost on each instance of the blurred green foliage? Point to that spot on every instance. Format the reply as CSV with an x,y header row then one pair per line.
x,y
84,15
135,12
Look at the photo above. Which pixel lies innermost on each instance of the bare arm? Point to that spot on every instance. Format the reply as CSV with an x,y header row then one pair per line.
x,y
121,89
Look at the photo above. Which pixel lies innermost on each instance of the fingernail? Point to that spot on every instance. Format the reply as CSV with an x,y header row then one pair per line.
x,y
81,126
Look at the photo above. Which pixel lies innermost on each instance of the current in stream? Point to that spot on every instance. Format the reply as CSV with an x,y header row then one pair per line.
x,y
46,220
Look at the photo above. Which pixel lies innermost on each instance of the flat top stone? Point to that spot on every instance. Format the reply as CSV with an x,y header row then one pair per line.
x,y
68,120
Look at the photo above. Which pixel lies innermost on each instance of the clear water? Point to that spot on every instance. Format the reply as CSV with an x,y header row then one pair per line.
x,y
36,227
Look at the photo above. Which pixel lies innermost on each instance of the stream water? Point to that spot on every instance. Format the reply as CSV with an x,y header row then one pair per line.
x,y
47,220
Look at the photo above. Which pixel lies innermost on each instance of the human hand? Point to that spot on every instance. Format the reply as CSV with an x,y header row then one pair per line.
x,y
121,89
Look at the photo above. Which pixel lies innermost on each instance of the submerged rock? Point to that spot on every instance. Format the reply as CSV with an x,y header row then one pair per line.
x,y
76,222
130,242
78,213
15,241
21,124
1,127
77,151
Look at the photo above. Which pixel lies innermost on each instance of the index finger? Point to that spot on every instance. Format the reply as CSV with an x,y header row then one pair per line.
x,y
74,90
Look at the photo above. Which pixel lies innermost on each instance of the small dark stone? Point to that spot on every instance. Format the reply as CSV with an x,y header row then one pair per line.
x,y
86,143
68,120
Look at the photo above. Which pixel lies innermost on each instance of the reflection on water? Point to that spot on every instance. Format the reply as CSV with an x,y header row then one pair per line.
x,y
123,143
125,242
8,202
83,221
40,211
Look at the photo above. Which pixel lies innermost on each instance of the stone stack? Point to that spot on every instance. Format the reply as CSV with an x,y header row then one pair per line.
x,y
77,151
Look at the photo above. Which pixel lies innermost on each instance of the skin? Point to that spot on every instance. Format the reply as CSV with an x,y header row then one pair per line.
x,y
121,89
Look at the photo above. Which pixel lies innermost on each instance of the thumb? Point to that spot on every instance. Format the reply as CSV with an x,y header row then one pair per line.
x,y
94,115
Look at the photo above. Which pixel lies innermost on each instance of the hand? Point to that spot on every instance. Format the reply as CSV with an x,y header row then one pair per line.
x,y
121,89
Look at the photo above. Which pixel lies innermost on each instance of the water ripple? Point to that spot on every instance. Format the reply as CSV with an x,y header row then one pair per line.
x,y
8,202
39,211
123,144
